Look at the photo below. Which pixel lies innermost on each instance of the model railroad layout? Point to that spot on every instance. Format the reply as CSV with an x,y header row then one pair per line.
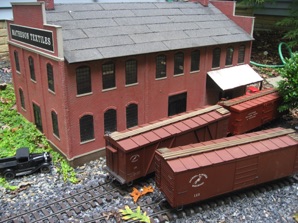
x,y
192,147
130,153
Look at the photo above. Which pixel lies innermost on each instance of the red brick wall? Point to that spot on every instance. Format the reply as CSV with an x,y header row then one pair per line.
x,y
35,20
150,94
37,92
228,8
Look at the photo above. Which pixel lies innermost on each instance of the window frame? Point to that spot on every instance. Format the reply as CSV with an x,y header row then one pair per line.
x,y
216,57
229,56
177,63
17,61
108,80
55,124
50,75
241,54
83,85
22,98
132,115
161,66
131,72
31,68
37,117
177,103
195,61
86,124
110,121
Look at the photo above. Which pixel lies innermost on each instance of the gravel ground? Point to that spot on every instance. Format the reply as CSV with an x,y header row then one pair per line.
x,y
276,205
5,72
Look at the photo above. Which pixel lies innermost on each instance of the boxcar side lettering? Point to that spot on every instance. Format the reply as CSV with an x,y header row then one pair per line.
x,y
197,195
198,180
251,115
134,158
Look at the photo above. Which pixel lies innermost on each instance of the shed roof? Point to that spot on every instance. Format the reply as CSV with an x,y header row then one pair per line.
x,y
106,30
232,77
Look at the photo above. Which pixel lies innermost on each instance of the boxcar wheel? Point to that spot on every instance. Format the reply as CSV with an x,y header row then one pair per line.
x,y
45,169
8,175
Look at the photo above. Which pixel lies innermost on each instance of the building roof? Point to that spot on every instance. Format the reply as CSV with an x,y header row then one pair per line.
x,y
107,30
248,76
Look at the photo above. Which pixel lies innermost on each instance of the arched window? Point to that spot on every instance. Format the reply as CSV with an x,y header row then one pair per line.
x,y
131,115
110,121
108,76
216,57
131,72
55,123
86,128
161,66
51,83
229,56
16,60
22,99
83,78
31,68
195,60
178,63
241,54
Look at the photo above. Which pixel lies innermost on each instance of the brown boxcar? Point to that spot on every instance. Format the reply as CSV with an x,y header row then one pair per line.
x,y
130,154
200,171
251,111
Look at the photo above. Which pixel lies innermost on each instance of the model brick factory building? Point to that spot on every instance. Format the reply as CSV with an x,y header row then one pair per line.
x,y
81,71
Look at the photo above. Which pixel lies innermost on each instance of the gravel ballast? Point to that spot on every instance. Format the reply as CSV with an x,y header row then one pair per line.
x,y
277,204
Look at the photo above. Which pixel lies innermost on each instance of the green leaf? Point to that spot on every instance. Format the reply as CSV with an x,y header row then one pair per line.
x,y
134,215
296,217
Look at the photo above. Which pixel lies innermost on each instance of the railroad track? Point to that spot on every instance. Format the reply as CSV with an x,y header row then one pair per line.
x,y
70,205
60,210
162,211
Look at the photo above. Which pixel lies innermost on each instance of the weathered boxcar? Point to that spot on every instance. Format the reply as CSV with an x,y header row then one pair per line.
x,y
130,154
200,171
251,111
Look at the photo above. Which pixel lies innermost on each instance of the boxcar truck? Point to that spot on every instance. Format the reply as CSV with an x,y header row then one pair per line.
x,y
24,163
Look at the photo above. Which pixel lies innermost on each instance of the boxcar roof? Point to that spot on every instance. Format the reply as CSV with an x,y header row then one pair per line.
x,y
168,127
256,102
107,30
222,150
272,92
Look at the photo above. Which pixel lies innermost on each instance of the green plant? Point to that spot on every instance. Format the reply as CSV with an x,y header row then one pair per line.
x,y
134,215
296,217
6,185
291,35
288,24
288,86
16,132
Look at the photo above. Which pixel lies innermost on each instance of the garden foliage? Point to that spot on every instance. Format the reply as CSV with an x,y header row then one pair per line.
x,y
288,86
16,132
